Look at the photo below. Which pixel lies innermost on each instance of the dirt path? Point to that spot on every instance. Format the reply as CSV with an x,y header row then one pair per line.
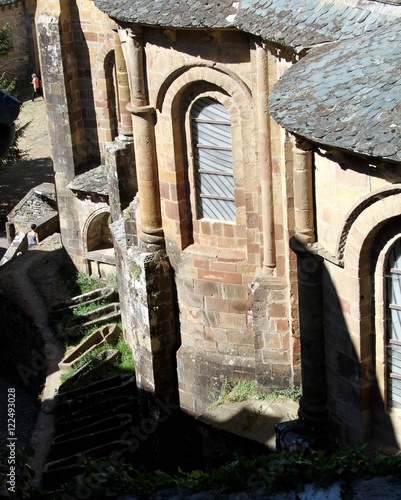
x,y
19,178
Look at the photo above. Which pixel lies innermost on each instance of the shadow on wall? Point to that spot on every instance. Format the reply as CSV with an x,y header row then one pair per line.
x,y
86,84
354,398
340,398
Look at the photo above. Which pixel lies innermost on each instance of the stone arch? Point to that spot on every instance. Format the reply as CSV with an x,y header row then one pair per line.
x,y
97,221
352,215
174,99
214,73
98,249
106,96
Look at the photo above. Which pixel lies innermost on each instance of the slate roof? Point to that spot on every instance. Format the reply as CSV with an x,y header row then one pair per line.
x,y
93,181
296,23
346,95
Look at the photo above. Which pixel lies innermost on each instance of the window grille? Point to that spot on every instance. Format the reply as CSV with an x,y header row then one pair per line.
x,y
393,278
211,138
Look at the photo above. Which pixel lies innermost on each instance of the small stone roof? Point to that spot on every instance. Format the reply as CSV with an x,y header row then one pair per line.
x,y
298,24
39,202
346,95
93,181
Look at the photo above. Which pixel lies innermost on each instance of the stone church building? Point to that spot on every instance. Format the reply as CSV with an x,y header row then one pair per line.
x,y
237,164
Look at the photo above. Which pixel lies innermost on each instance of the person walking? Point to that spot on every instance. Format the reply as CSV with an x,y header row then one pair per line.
x,y
36,86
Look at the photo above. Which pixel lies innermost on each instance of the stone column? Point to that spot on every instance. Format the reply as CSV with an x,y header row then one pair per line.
x,y
303,191
150,226
265,163
123,92
119,155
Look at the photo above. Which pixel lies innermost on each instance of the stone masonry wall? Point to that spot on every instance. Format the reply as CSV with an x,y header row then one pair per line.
x,y
74,45
226,330
352,208
22,59
216,266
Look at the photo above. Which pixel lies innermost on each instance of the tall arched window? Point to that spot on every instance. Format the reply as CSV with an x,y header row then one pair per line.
x,y
211,142
393,344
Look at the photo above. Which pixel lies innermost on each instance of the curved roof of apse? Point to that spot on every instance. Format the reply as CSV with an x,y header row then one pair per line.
x,y
346,95
295,23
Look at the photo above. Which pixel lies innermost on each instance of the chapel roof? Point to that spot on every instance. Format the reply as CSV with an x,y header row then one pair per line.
x,y
295,23
346,95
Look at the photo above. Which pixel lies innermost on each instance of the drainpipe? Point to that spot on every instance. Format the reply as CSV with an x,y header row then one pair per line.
x,y
265,163
143,116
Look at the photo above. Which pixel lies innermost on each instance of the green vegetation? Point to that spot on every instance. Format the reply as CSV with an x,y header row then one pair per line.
x,y
80,283
236,392
125,365
267,474
293,394
5,39
86,308
87,283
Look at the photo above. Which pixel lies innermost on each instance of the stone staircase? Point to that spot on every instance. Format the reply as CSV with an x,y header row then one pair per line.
x,y
90,422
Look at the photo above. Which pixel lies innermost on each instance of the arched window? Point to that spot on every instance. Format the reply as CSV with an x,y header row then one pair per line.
x,y
213,176
393,344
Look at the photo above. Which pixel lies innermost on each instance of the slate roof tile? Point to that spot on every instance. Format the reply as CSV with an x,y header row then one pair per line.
x,y
354,82
297,23
336,91
93,181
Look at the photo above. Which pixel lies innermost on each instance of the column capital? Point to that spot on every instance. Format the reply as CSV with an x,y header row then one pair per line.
x,y
140,110
302,144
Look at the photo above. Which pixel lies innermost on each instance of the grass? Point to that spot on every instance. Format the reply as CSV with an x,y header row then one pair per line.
x,y
125,365
293,394
236,392
80,283
86,308
87,283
